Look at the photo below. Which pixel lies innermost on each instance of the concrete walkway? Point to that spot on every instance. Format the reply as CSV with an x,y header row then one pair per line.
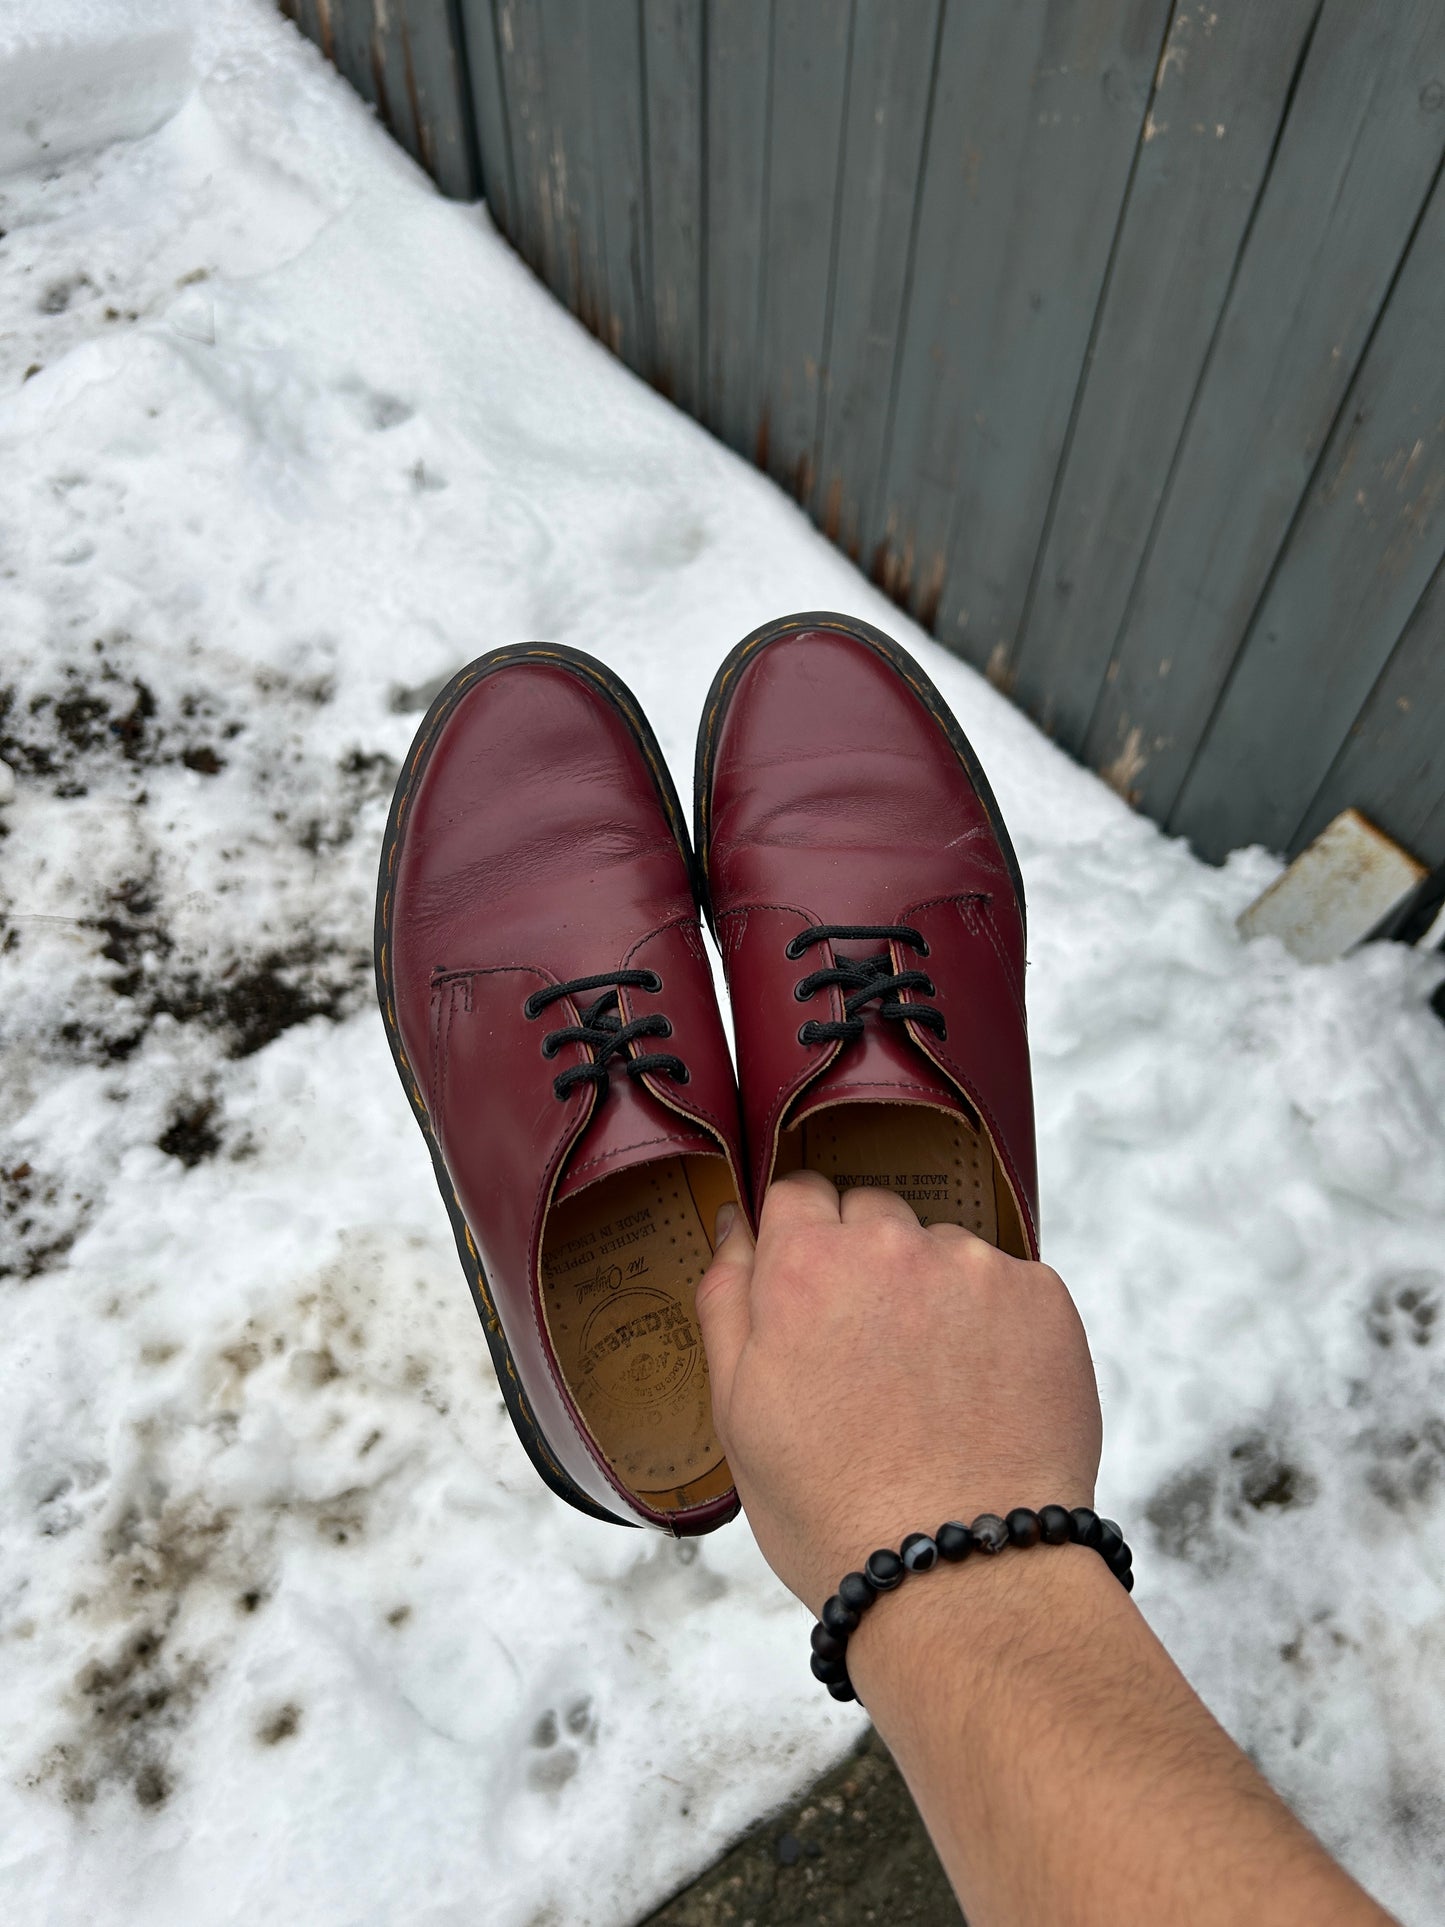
x,y
850,1853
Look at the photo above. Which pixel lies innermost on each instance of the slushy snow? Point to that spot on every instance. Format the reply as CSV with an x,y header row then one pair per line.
x,y
290,1630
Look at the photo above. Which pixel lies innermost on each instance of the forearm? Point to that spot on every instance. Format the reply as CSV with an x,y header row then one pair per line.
x,y
1065,1769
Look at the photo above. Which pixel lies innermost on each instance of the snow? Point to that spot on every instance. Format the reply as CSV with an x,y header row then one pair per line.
x,y
289,1627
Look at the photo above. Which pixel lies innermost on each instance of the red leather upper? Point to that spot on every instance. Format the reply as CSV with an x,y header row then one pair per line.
x,y
837,798
534,850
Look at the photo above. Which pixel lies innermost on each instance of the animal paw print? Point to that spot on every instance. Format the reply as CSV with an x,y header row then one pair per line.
x,y
1405,1309
557,1741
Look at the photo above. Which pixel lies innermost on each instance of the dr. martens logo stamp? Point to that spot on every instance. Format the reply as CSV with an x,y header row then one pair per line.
x,y
639,1347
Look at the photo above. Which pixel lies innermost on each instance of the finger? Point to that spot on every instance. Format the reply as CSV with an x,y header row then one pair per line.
x,y
871,1204
801,1198
722,1299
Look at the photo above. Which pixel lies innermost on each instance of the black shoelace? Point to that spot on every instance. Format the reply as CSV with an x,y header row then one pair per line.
x,y
604,1032
864,979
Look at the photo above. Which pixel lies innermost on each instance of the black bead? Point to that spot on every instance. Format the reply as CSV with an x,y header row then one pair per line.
x,y
1023,1526
1053,1524
1110,1538
953,1540
829,1671
990,1534
918,1552
884,1569
1123,1558
1126,1580
827,1645
1085,1527
855,1591
842,1690
838,1617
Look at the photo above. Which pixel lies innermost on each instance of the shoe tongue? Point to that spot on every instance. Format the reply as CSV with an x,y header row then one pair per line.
x,y
883,1066
628,1126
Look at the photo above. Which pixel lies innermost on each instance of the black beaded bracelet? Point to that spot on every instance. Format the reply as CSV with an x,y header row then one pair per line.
x,y
1051,1525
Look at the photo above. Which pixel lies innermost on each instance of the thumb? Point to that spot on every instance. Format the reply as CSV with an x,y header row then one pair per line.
x,y
722,1299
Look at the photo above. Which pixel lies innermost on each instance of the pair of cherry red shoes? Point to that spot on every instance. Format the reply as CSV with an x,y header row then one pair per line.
x,y
551,1010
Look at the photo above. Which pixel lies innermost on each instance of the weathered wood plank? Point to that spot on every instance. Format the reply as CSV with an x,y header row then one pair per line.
x,y
890,91
1220,94
529,118
1089,93
1367,540
673,71
812,40
572,167
393,81
489,111
434,74
615,62
346,40
1354,165
313,18
739,68
1392,763
1036,112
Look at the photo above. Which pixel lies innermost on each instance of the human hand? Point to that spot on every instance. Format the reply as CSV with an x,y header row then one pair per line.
x,y
872,1378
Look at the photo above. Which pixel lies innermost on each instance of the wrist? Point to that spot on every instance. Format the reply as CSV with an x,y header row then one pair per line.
x,y
982,1621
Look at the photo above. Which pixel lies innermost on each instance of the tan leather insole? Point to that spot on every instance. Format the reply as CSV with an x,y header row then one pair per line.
x,y
937,1161
620,1267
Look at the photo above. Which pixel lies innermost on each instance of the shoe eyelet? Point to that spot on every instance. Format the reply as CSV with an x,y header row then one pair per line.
x,y
683,1076
529,1010
655,985
549,1047
666,1030
804,1036
801,995
921,948
942,1033
792,950
930,988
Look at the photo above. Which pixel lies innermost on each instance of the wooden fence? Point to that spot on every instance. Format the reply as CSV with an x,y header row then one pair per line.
x,y
1107,335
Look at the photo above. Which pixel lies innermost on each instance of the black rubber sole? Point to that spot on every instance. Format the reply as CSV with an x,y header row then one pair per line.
x,y
724,684
616,693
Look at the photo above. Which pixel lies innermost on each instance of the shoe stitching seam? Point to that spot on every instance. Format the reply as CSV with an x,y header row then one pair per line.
x,y
606,1157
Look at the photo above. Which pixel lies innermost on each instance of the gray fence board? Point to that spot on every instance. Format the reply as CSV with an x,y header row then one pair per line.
x,y
991,167
315,20
489,111
808,91
614,48
446,134
1219,98
524,83
572,169
739,75
672,79
895,43
350,31
1354,165
393,76
1392,763
1090,90
1367,541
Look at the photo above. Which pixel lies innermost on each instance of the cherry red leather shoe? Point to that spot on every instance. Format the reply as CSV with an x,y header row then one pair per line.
x,y
870,913
551,1012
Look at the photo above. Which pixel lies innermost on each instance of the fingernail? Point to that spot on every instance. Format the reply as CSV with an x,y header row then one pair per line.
x,y
727,1217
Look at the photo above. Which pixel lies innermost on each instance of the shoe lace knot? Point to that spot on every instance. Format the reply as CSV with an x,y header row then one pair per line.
x,y
604,1033
864,980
